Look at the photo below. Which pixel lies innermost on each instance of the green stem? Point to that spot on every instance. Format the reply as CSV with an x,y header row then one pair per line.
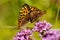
x,y
57,14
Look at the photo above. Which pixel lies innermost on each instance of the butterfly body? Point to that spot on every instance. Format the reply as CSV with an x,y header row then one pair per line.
x,y
28,13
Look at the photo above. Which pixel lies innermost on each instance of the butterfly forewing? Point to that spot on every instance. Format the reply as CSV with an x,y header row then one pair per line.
x,y
23,15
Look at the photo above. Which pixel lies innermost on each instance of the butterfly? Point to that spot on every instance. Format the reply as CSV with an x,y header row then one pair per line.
x,y
28,14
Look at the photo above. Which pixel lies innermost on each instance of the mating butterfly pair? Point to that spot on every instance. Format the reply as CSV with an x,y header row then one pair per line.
x,y
28,13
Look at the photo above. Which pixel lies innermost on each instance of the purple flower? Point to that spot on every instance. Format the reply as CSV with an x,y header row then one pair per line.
x,y
51,35
44,32
23,35
41,26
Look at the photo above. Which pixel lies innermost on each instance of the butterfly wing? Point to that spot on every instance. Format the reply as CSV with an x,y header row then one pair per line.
x,y
28,14
23,15
35,13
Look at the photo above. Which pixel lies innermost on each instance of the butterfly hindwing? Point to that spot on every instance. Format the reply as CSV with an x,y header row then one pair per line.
x,y
35,13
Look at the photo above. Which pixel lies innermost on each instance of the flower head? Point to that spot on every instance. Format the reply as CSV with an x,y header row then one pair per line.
x,y
41,26
23,35
51,35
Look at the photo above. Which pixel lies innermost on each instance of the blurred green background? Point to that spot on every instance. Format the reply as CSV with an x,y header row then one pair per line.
x,y
9,11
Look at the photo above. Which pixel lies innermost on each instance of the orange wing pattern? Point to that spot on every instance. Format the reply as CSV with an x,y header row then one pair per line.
x,y
23,15
28,13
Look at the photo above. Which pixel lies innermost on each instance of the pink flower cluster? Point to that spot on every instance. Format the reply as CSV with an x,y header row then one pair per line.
x,y
52,35
23,35
42,26
44,32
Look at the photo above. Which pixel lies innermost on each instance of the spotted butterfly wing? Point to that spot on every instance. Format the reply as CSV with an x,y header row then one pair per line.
x,y
28,13
23,15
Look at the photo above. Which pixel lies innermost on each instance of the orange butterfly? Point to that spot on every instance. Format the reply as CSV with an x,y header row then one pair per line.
x,y
28,13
